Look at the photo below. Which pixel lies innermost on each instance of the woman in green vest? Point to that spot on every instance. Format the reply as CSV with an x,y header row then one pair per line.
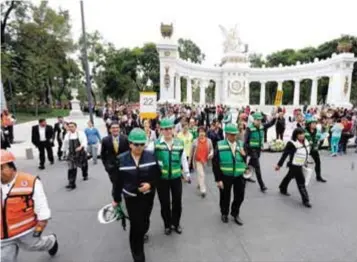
x,y
228,167
173,163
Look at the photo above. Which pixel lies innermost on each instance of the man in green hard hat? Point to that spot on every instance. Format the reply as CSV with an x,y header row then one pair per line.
x,y
136,180
228,166
172,159
253,143
314,137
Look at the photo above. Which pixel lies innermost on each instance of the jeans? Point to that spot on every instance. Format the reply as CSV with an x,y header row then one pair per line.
x,y
335,140
93,151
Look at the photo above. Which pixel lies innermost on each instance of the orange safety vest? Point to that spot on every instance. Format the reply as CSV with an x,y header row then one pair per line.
x,y
6,120
17,211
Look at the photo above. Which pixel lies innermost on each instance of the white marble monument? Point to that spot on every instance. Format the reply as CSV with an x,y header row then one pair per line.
x,y
76,111
234,76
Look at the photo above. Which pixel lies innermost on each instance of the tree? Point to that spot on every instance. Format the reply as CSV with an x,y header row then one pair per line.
x,y
188,50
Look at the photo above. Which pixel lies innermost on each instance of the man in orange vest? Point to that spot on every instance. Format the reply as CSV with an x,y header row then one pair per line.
x,y
7,123
24,212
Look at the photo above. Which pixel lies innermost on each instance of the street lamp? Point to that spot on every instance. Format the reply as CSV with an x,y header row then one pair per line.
x,y
86,66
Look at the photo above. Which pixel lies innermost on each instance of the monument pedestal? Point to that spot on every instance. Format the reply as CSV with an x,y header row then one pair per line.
x,y
76,111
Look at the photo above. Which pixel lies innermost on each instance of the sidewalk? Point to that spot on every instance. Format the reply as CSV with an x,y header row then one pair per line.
x,y
22,134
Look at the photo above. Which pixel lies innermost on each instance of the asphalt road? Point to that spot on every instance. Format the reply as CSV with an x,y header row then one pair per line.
x,y
277,228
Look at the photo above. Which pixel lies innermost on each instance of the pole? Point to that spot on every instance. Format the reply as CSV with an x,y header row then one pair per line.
x,y
86,66
12,99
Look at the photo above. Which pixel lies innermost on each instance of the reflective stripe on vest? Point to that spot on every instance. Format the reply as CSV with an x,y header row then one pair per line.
x,y
169,160
301,153
229,166
17,213
256,137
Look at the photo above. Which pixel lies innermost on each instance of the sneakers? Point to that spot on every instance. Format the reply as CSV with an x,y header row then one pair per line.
x,y
53,251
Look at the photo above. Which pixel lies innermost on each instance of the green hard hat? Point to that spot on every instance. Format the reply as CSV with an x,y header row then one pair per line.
x,y
257,116
231,129
166,123
137,136
311,120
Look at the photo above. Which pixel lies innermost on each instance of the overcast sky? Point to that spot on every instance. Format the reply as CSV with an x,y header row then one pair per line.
x,y
266,25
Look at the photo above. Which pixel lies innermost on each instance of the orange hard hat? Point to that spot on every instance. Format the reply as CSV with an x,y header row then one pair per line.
x,y
6,157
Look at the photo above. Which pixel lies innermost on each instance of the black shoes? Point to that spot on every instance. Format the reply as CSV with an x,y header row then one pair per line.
x,y
146,238
238,220
71,187
178,229
284,192
320,179
168,231
224,218
54,249
263,189
52,162
307,204
85,178
203,195
41,167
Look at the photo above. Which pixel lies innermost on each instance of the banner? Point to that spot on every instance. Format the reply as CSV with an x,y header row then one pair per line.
x,y
148,105
278,98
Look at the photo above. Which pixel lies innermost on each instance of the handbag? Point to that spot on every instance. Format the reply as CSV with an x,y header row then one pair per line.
x,y
307,172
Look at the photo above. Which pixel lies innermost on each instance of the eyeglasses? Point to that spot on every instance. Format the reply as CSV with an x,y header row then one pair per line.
x,y
138,145
166,129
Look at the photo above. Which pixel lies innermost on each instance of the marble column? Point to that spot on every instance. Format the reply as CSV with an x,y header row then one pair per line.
x,y
217,92
280,85
203,85
189,90
262,93
178,88
313,98
296,92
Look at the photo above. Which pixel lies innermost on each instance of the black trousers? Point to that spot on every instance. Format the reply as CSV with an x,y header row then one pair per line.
x,y
280,133
254,162
139,210
238,184
316,157
59,149
344,141
295,172
170,214
11,133
41,148
72,174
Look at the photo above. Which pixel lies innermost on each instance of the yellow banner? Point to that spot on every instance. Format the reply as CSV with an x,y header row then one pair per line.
x,y
278,98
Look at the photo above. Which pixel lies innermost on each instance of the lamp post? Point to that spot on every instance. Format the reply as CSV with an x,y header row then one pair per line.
x,y
86,66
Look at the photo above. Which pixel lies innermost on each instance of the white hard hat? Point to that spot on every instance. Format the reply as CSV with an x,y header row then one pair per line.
x,y
107,214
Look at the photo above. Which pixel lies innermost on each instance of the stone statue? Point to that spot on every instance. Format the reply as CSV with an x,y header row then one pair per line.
x,y
232,42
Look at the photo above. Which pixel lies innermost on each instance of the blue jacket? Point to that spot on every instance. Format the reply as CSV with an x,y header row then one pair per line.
x,y
93,136
130,176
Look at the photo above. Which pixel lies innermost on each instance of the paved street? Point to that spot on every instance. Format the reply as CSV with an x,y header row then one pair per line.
x,y
277,228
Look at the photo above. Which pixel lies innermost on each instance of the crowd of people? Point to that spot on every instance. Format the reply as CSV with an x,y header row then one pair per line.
x,y
145,156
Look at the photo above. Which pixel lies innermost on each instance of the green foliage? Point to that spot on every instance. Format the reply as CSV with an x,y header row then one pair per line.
x,y
188,50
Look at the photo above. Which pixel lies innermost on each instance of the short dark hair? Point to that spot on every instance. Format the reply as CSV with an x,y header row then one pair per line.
x,y
201,128
12,165
114,123
60,117
72,123
41,120
296,132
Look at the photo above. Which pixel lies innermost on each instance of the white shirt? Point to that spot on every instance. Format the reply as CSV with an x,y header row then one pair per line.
x,y
184,162
232,146
41,208
71,136
42,131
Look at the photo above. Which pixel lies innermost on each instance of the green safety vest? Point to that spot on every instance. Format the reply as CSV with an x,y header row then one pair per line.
x,y
169,161
194,132
231,165
256,139
313,139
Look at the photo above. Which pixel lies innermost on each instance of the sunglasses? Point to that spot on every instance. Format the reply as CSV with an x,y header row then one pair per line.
x,y
138,145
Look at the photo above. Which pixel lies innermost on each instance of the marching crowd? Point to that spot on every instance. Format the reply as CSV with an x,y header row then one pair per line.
x,y
145,156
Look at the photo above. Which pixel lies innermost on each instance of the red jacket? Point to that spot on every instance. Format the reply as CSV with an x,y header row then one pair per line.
x,y
347,126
